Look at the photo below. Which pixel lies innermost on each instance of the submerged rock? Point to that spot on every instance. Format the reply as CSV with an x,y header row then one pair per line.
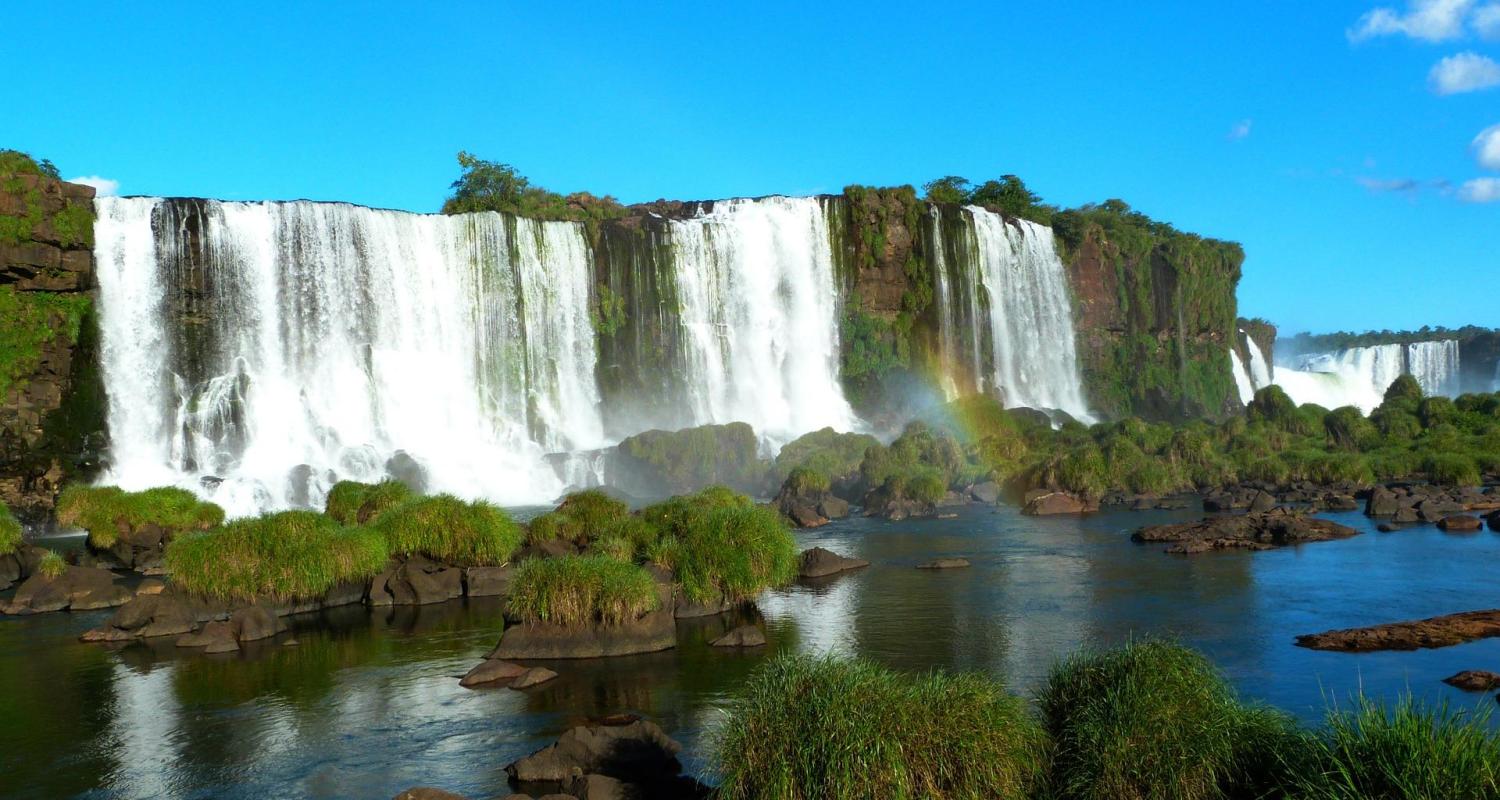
x,y
945,563
1474,680
77,589
818,562
1460,523
1254,531
493,671
1429,633
652,633
743,636
532,677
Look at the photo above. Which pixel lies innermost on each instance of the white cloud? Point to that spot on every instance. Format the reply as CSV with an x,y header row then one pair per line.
x,y
1487,21
1480,190
104,187
1487,147
1240,129
1465,72
1428,20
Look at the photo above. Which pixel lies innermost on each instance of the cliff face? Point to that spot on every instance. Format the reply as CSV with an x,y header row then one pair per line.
x,y
51,397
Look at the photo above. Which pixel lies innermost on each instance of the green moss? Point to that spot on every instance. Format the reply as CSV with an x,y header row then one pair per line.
x,y
30,320
608,311
10,531
290,555
73,224
692,458
581,590
101,509
352,502
834,454
450,530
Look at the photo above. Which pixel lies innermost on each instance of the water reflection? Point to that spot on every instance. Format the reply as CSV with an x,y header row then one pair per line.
x,y
361,703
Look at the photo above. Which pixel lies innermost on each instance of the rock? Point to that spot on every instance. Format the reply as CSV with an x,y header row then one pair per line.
x,y
1263,501
688,609
1340,502
945,563
255,623
491,671
1383,502
743,636
1430,633
638,752
488,581
215,637
986,492
652,633
1406,515
77,588
805,515
597,787
1252,531
1387,527
150,586
1474,680
427,793
407,470
1494,520
833,507
818,562
1460,523
532,677
1055,503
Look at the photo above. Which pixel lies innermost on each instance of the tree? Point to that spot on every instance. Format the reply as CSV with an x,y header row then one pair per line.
x,y
1009,194
949,189
486,186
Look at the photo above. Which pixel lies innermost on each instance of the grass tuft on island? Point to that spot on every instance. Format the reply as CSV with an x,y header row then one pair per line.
x,y
100,509
807,728
722,547
291,555
450,530
581,590
10,531
581,517
355,503
51,564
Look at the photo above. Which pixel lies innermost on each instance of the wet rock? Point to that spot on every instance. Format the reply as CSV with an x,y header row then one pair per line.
x,y
1339,502
1055,503
1432,632
492,671
1474,680
1406,515
1253,531
150,586
804,515
652,633
488,581
945,563
690,609
406,469
598,787
987,492
818,562
1387,527
532,677
638,752
833,507
255,623
77,588
427,793
1262,502
1460,523
214,637
743,636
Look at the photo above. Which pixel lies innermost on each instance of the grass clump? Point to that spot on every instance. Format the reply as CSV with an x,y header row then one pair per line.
x,y
100,510
355,503
450,530
581,517
290,555
730,553
581,590
51,564
1404,752
10,531
1147,720
811,728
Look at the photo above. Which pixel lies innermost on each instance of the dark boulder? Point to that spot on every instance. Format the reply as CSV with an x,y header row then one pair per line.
x,y
637,752
652,633
743,636
987,492
833,507
1253,531
77,588
1263,501
488,581
214,637
406,469
818,563
1460,523
1474,680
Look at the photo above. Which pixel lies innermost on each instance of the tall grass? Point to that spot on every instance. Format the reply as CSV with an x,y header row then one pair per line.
x,y
812,728
290,555
581,517
352,502
51,564
1404,752
10,531
581,590
731,553
98,509
450,530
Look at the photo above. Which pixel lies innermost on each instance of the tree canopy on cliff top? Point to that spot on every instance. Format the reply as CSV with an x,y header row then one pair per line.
x,y
493,186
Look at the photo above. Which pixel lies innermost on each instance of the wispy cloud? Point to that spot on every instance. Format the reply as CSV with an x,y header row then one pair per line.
x,y
1480,190
1487,21
103,187
1487,147
1427,20
1410,187
1465,72
1240,130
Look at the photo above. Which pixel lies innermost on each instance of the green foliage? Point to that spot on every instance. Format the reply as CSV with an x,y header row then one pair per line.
x,y
10,531
28,322
1343,340
1451,469
352,502
822,728
692,458
290,555
806,481
72,225
1404,752
465,534
723,551
52,564
1007,195
101,509
581,590
1147,720
834,454
493,186
1404,388
608,311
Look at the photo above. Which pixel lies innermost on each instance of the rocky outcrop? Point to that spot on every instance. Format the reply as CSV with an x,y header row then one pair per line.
x,y
75,589
51,396
818,562
1474,680
1428,503
1432,632
1252,531
1044,504
615,758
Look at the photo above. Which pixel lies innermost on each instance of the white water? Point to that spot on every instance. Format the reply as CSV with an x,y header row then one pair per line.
x,y
1359,376
1242,381
1435,366
1015,287
759,311
1261,371
1258,374
340,336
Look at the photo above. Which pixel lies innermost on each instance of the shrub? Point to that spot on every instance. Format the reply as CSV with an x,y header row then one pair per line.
x,y
709,454
834,454
806,481
731,553
1348,429
926,485
808,728
1149,719
450,530
581,590
10,531
290,555
1272,406
551,526
352,502
99,509
1406,752
1403,389
679,515
593,510
1451,469
51,564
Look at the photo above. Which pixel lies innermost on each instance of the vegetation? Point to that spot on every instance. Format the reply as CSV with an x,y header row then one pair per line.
x,y
832,454
352,502
72,225
100,510
1007,195
581,518
290,555
728,553
493,186
450,530
51,564
28,322
1342,340
581,590
10,531
689,459
813,728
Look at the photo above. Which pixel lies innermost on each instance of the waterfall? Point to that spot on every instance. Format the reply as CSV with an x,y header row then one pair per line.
x,y
1261,371
1359,376
759,313
1242,380
258,352
1005,317
1435,366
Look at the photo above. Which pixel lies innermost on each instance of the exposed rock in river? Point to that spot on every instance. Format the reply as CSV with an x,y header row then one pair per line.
x,y
633,759
540,640
1253,531
1050,503
1474,680
1433,632
77,588
818,562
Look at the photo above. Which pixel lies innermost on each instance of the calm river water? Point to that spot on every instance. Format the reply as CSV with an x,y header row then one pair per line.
x,y
368,703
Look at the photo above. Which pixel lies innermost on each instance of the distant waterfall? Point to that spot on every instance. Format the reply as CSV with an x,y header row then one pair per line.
x,y
1005,317
261,351
1435,366
1359,376
1248,379
758,310
1242,382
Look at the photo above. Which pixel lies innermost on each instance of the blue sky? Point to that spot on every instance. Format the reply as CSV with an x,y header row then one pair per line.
x,y
1313,133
